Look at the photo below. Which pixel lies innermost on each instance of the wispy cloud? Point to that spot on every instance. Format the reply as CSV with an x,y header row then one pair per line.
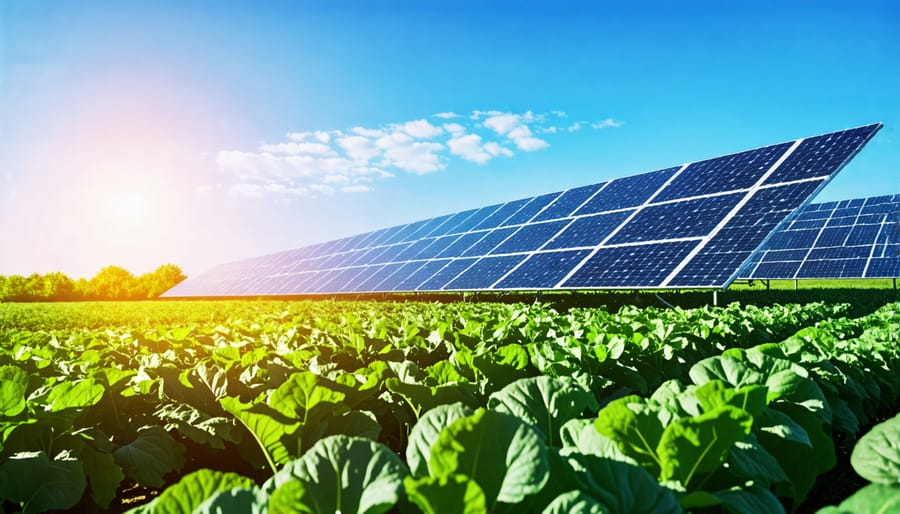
x,y
321,162
608,122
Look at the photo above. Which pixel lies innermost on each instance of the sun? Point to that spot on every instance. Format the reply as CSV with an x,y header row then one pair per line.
x,y
128,209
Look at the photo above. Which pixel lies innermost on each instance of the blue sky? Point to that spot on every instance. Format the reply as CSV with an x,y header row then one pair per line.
x,y
139,133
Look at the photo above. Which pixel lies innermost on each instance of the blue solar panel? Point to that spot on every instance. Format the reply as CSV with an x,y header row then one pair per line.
x,y
531,237
446,274
501,214
486,271
588,231
434,249
489,242
694,225
428,270
631,266
626,192
530,209
837,241
568,202
543,270
817,156
690,218
729,173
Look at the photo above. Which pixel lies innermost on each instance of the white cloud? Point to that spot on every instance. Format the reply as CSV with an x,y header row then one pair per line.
x,y
324,162
495,149
298,148
322,188
356,189
362,131
454,128
298,136
469,147
359,148
515,128
402,151
421,129
503,123
608,122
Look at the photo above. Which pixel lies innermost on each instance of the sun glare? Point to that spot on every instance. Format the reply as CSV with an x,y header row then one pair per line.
x,y
128,209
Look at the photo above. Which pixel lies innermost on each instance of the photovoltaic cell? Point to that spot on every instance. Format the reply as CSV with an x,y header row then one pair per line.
x,y
623,193
690,218
530,209
694,225
531,237
847,239
485,270
542,270
568,202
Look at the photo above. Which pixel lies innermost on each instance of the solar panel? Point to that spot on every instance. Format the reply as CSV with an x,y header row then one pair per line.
x,y
693,226
857,238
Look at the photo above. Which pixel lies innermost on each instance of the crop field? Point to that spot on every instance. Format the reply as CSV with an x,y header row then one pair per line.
x,y
372,407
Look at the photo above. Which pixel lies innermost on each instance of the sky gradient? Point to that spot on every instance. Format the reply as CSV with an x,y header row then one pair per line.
x,y
196,132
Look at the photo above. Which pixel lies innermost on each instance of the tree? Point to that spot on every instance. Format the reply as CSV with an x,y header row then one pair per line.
x,y
14,288
160,280
58,286
113,283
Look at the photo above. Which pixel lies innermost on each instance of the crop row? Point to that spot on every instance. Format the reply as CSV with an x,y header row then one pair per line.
x,y
369,407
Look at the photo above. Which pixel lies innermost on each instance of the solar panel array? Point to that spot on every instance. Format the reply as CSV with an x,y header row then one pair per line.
x,y
685,226
848,239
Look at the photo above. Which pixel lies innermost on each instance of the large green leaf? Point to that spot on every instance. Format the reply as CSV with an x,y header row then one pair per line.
x,y
504,455
303,394
502,365
198,425
790,387
425,432
871,499
781,425
582,436
424,397
74,395
751,499
152,455
103,474
728,369
291,498
455,493
620,486
802,462
269,428
876,456
344,474
13,384
195,489
575,502
38,484
634,427
544,402
750,461
689,446
715,393
238,500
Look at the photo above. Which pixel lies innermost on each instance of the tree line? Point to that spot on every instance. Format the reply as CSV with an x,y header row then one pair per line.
x,y
111,283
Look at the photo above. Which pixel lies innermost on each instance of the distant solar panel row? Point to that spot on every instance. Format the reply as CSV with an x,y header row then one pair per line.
x,y
687,226
849,239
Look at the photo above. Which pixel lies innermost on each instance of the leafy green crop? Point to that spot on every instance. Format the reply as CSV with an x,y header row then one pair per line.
x,y
377,407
